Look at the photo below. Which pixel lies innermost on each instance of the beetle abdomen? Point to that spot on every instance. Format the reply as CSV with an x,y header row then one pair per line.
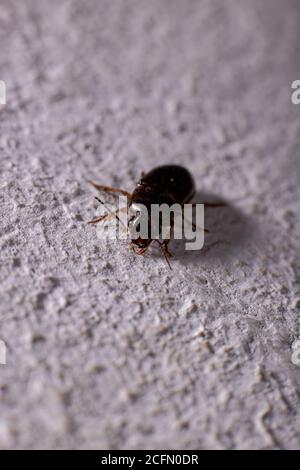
x,y
165,184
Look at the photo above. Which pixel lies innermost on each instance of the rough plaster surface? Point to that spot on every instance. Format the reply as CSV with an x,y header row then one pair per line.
x,y
106,349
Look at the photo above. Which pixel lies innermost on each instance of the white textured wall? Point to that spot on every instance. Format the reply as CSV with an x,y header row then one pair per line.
x,y
106,349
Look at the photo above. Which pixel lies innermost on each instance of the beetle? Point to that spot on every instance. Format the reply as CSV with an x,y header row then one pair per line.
x,y
167,184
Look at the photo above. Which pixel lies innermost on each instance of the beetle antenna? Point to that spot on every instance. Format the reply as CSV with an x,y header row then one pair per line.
x,y
111,212
164,252
165,255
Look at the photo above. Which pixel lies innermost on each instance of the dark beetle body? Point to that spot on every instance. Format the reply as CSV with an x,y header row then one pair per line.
x,y
167,184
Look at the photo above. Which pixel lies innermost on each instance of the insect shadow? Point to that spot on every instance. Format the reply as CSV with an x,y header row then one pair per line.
x,y
228,231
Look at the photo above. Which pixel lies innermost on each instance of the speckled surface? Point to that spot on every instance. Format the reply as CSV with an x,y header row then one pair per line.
x,y
109,350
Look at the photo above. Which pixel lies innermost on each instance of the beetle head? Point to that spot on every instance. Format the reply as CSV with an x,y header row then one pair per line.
x,y
140,245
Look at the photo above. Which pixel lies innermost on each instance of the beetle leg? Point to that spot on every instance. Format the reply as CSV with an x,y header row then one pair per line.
x,y
211,204
99,219
166,248
215,204
108,216
165,251
195,227
217,242
109,189
114,214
